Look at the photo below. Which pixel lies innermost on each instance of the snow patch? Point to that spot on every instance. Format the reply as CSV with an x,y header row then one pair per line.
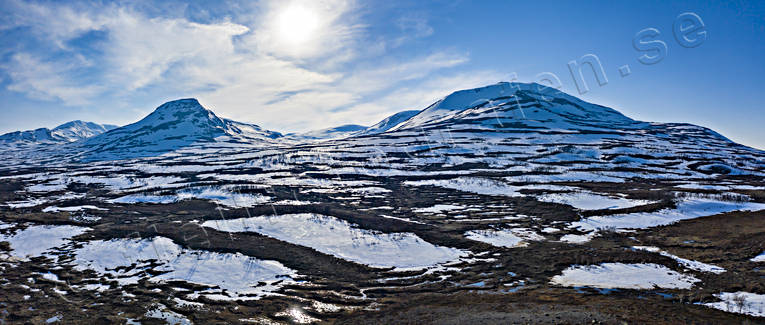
x,y
741,303
687,209
483,186
73,209
238,276
37,240
340,238
623,276
690,264
591,201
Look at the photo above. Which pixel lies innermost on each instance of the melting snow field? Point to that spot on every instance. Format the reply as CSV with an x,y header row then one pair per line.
x,y
577,239
234,200
483,186
237,274
741,303
499,238
689,209
623,276
340,238
591,201
439,208
222,197
72,209
690,264
504,238
36,240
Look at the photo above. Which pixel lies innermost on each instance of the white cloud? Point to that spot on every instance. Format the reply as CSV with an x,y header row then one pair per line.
x,y
143,49
288,65
46,81
55,23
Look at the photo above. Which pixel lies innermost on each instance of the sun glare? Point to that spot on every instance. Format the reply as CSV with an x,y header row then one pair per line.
x,y
297,24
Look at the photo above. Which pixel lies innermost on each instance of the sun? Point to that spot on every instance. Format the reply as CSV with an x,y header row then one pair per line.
x,y
297,24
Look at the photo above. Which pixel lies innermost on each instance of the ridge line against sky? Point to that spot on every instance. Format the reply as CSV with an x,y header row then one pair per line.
x,y
304,65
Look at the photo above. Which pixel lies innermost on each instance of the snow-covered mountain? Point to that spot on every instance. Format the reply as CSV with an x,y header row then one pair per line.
x,y
78,130
530,125
171,126
492,124
67,132
521,105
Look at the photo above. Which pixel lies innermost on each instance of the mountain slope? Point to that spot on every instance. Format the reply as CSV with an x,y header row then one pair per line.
x,y
330,133
389,122
171,126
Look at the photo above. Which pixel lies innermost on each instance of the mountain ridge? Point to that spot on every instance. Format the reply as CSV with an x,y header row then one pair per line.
x,y
71,131
512,108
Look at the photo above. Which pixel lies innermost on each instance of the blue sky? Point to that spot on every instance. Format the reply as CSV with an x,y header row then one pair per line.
x,y
300,65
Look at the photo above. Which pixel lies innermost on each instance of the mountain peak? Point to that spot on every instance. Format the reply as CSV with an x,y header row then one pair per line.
x,y
172,125
183,103
67,132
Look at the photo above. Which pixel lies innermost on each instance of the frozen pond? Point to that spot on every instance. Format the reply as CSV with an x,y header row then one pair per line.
x,y
623,276
340,238
237,275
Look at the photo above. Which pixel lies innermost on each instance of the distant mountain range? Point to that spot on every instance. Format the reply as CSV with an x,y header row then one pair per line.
x,y
499,108
67,132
